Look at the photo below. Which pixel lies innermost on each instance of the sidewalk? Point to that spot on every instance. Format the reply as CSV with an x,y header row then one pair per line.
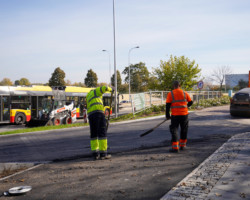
x,y
223,175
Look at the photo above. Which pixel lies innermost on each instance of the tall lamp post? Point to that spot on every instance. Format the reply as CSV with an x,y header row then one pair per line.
x,y
129,70
109,66
115,60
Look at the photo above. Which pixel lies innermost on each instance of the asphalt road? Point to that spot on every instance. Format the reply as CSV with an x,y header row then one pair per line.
x,y
74,143
140,168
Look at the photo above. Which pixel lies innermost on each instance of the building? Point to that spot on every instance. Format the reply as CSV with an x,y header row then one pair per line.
x,y
232,80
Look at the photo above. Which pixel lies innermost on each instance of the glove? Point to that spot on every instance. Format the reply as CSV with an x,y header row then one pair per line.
x,y
109,89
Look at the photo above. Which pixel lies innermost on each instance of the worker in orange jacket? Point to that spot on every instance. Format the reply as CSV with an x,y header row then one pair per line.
x,y
178,101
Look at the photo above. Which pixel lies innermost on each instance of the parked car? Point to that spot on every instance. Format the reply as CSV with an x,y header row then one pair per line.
x,y
240,103
124,101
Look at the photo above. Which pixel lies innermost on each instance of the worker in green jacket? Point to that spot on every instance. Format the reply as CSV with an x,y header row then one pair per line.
x,y
97,122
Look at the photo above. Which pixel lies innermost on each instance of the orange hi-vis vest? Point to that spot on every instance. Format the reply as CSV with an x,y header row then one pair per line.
x,y
178,99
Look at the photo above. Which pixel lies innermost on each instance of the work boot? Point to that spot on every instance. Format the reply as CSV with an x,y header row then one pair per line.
x,y
174,150
183,148
96,156
105,156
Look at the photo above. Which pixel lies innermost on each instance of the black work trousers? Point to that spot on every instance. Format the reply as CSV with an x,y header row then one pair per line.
x,y
176,121
97,123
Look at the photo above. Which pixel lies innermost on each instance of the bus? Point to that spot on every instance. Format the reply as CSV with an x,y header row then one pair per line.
x,y
20,104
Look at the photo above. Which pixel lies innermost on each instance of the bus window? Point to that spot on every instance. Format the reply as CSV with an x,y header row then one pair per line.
x,y
20,102
6,107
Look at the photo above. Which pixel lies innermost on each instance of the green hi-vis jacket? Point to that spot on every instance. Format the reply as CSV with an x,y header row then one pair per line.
x,y
94,99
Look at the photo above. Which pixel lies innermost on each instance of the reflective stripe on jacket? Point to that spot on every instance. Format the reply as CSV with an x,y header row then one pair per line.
x,y
178,99
94,99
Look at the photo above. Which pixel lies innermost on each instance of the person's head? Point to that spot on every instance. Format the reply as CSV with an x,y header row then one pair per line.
x,y
176,84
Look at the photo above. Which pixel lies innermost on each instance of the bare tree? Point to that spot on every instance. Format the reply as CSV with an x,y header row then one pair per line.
x,y
218,75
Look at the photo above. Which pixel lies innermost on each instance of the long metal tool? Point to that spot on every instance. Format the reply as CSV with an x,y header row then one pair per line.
x,y
152,129
110,107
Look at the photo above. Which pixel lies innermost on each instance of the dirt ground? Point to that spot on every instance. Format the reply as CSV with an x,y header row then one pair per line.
x,y
140,174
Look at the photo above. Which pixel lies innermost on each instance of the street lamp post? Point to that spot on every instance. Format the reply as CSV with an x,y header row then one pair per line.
x,y
109,66
129,70
115,60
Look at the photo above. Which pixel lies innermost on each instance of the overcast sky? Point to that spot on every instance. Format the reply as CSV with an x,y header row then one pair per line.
x,y
36,36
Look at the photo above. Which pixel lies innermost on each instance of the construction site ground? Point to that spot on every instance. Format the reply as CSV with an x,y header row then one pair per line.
x,y
146,173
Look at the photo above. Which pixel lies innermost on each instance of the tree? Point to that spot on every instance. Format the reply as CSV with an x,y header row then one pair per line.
x,y
91,79
123,88
219,74
68,82
17,82
242,84
6,82
153,83
119,80
24,81
177,68
101,84
57,78
79,84
139,77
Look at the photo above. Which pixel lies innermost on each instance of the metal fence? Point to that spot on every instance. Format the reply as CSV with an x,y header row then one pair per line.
x,y
159,97
141,101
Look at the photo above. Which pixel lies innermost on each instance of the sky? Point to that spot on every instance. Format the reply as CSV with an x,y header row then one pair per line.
x,y
37,36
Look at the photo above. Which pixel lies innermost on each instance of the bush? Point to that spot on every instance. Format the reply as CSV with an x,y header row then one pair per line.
x,y
156,108
212,102
204,103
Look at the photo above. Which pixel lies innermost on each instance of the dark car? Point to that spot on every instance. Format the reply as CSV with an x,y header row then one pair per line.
x,y
124,101
240,103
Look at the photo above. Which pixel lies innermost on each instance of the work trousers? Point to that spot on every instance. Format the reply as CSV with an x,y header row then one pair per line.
x,y
98,133
176,121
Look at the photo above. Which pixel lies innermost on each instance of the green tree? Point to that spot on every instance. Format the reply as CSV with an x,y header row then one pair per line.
x,y
24,81
139,77
177,68
17,82
101,84
242,84
119,80
153,83
123,89
57,78
79,84
6,82
91,79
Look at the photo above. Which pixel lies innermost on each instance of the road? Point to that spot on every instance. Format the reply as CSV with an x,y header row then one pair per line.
x,y
72,143
141,168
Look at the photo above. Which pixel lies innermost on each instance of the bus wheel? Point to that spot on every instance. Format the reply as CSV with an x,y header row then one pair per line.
x,y
20,118
56,121
68,120
106,112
